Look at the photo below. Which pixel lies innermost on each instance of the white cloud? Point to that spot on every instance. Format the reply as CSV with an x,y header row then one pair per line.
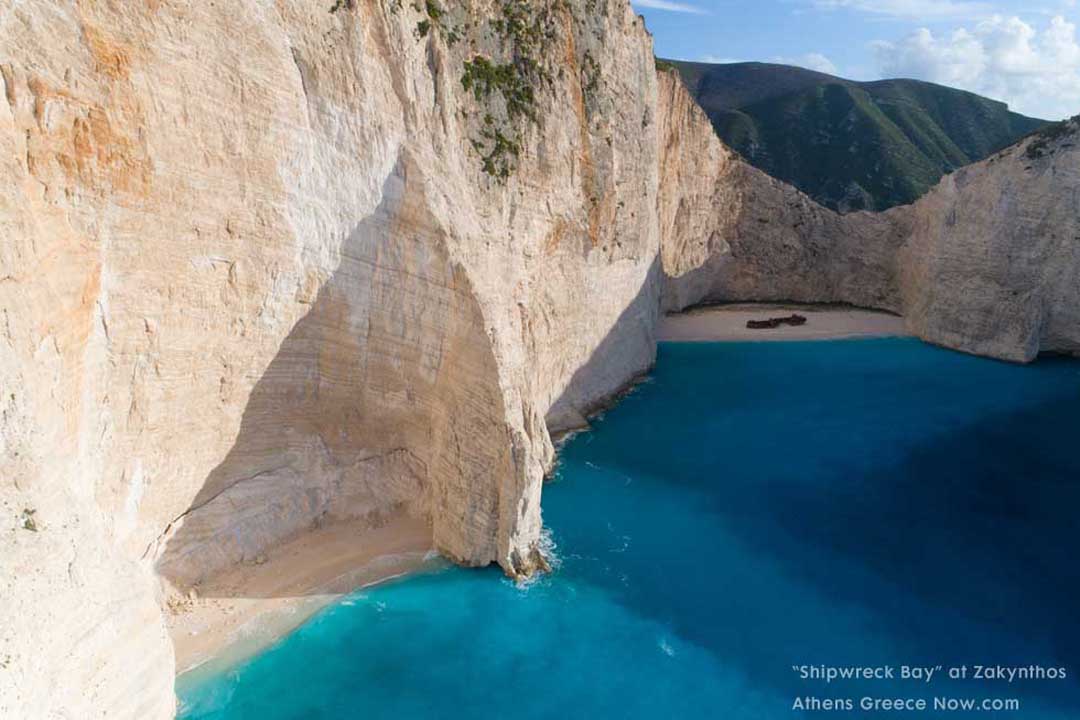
x,y
909,9
1036,72
717,59
810,61
670,6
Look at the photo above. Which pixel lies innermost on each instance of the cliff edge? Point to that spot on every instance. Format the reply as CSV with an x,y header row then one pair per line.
x,y
270,267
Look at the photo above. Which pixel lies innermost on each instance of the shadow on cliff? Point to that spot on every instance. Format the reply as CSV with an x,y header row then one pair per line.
x,y
626,352
330,401
961,550
338,425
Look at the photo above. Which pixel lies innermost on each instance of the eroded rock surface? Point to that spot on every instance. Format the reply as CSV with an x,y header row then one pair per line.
x,y
733,234
991,264
988,262
266,266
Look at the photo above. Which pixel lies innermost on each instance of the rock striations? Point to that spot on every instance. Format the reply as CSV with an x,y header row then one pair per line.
x,y
267,266
991,259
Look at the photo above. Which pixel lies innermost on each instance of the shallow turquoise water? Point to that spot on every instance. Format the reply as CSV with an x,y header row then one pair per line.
x,y
752,507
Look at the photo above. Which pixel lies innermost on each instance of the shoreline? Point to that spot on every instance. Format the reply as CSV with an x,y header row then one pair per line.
x,y
727,323
245,609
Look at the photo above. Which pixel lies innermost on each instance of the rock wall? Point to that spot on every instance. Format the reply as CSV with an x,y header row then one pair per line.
x,y
991,264
732,233
988,262
267,266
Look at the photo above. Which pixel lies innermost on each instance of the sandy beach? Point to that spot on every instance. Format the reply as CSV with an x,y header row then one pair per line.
x,y
728,323
241,611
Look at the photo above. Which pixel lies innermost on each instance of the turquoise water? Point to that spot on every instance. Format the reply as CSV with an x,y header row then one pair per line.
x,y
752,507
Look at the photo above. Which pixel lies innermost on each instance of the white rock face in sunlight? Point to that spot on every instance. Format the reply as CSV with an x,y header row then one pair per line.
x,y
256,277
988,262
991,263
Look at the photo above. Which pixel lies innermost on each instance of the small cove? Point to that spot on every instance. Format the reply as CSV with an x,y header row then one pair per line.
x,y
753,506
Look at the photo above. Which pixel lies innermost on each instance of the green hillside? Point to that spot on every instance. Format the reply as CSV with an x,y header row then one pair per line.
x,y
850,145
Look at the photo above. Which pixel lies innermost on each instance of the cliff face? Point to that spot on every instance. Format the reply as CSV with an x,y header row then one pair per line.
x,y
267,266
986,263
991,264
732,233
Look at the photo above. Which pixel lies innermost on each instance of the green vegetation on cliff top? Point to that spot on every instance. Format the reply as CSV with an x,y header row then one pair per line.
x,y
850,145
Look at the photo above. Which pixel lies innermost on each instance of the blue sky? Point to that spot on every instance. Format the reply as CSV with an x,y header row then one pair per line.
x,y
1025,53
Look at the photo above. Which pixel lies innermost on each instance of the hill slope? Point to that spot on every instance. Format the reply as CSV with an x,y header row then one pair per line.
x,y
850,145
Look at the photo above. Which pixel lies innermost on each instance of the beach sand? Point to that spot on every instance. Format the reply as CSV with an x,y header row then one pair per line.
x,y
728,323
241,611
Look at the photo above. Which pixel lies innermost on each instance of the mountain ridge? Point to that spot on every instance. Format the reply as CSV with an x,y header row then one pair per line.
x,y
850,145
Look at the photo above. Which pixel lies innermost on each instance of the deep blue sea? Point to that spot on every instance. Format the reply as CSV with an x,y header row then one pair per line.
x,y
752,507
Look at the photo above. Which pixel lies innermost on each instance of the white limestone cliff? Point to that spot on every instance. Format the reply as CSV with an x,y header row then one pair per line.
x,y
255,277
991,262
988,262
732,233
